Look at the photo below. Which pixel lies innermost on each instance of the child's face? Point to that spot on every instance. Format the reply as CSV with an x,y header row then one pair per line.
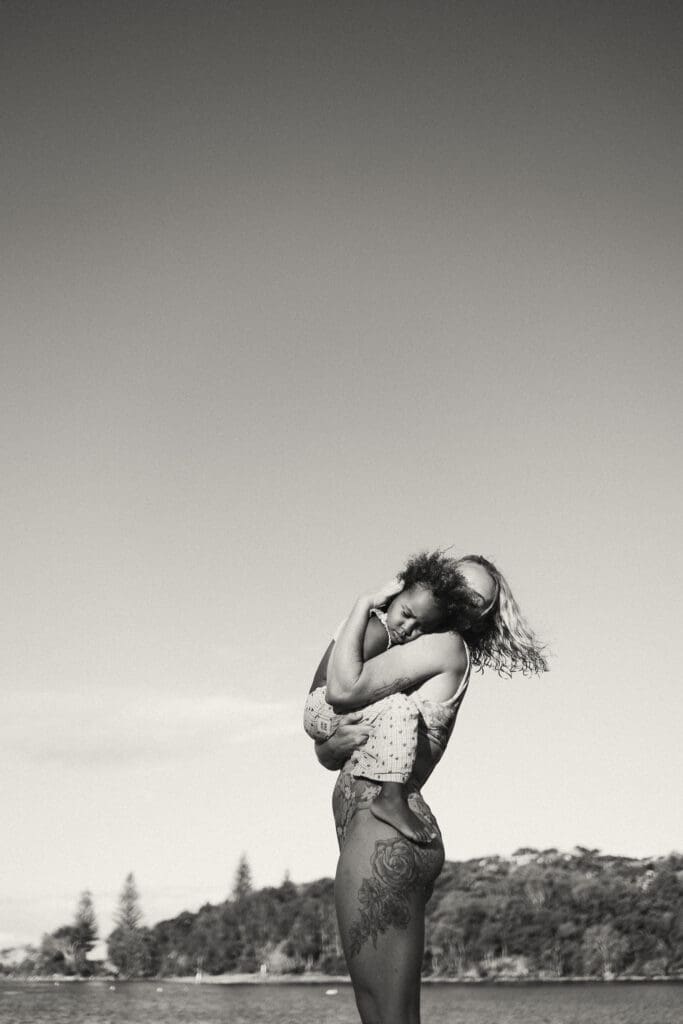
x,y
412,613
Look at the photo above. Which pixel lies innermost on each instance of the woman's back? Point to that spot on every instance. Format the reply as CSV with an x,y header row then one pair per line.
x,y
435,725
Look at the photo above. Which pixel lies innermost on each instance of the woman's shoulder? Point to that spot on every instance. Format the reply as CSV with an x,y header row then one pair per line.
x,y
448,647
449,651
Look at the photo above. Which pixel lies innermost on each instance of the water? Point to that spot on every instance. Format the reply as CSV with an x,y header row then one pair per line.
x,y
177,1003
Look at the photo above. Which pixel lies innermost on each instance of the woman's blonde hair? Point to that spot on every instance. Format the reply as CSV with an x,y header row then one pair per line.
x,y
499,637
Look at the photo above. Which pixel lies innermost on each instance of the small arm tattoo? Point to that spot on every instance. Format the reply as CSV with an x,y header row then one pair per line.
x,y
398,685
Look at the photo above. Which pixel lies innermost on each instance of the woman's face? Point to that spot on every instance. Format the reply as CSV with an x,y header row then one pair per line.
x,y
412,613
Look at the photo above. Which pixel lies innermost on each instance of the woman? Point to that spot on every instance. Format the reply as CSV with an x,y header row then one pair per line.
x,y
383,879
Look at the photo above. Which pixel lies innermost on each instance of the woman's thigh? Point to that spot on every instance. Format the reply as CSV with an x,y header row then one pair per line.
x,y
382,884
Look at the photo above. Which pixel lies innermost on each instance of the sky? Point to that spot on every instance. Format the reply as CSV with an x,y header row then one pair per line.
x,y
290,292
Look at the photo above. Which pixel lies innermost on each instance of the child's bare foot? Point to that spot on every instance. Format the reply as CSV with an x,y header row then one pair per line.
x,y
391,806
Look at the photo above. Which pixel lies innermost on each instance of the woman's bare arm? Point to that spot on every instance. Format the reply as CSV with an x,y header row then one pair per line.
x,y
374,642
353,683
430,657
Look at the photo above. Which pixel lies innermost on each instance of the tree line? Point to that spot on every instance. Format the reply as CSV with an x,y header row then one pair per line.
x,y
539,913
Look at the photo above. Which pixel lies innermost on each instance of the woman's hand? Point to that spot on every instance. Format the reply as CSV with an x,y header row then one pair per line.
x,y
380,598
350,734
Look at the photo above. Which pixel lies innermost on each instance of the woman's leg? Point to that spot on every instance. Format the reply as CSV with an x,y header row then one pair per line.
x,y
380,891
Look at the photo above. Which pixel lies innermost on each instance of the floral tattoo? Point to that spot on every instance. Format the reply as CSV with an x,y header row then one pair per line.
x,y
383,898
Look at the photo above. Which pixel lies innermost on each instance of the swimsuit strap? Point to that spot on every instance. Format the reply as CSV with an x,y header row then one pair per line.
x,y
466,678
464,683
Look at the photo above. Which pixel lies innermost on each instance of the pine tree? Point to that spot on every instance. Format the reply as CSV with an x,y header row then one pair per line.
x,y
242,887
85,930
288,890
126,945
129,914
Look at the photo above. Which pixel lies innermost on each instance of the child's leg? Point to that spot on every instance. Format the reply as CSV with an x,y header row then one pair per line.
x,y
391,805
320,720
388,757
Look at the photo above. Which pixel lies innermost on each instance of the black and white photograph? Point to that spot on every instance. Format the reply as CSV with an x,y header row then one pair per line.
x,y
341,366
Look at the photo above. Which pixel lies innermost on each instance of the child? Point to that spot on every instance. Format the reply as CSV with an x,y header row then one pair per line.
x,y
389,754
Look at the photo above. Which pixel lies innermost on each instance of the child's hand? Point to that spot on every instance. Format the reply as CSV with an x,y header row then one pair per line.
x,y
383,596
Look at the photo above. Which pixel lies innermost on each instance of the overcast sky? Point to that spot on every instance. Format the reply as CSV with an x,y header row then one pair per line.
x,y
291,291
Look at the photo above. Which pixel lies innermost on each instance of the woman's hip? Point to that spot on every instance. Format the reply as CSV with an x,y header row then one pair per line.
x,y
368,845
382,884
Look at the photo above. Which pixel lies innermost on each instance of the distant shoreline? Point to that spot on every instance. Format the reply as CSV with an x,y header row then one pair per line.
x,y
323,979
330,979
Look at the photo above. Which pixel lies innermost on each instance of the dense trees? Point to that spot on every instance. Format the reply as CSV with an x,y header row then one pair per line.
x,y
287,928
536,914
57,953
539,913
65,950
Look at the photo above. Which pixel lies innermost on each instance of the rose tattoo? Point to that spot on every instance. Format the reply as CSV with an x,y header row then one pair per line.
x,y
383,898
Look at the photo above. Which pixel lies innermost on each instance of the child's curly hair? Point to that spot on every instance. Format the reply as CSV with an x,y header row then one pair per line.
x,y
437,573
496,633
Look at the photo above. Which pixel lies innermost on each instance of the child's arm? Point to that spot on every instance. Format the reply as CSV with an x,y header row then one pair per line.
x,y
374,642
349,654
320,677
349,732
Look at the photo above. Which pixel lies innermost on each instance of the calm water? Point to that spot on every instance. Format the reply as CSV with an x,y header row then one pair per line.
x,y
176,1003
